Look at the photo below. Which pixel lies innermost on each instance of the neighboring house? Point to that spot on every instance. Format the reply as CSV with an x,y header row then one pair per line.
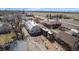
x,y
5,29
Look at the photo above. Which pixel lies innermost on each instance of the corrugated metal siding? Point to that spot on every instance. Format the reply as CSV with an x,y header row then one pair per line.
x,y
69,39
30,24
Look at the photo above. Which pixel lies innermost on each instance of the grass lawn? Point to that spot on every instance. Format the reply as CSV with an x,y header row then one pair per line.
x,y
5,38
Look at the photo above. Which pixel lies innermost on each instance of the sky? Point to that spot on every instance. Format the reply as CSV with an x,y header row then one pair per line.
x,y
44,9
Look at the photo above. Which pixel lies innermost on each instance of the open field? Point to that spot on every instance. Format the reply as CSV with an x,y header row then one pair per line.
x,y
69,14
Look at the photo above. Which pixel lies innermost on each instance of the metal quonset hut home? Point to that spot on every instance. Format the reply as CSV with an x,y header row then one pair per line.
x,y
33,28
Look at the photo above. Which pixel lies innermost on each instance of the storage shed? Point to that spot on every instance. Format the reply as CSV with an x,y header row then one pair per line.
x,y
68,39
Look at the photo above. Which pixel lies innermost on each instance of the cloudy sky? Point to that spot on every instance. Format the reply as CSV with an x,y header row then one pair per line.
x,y
44,9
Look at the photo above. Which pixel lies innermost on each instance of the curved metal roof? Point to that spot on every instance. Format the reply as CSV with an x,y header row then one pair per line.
x,y
30,24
